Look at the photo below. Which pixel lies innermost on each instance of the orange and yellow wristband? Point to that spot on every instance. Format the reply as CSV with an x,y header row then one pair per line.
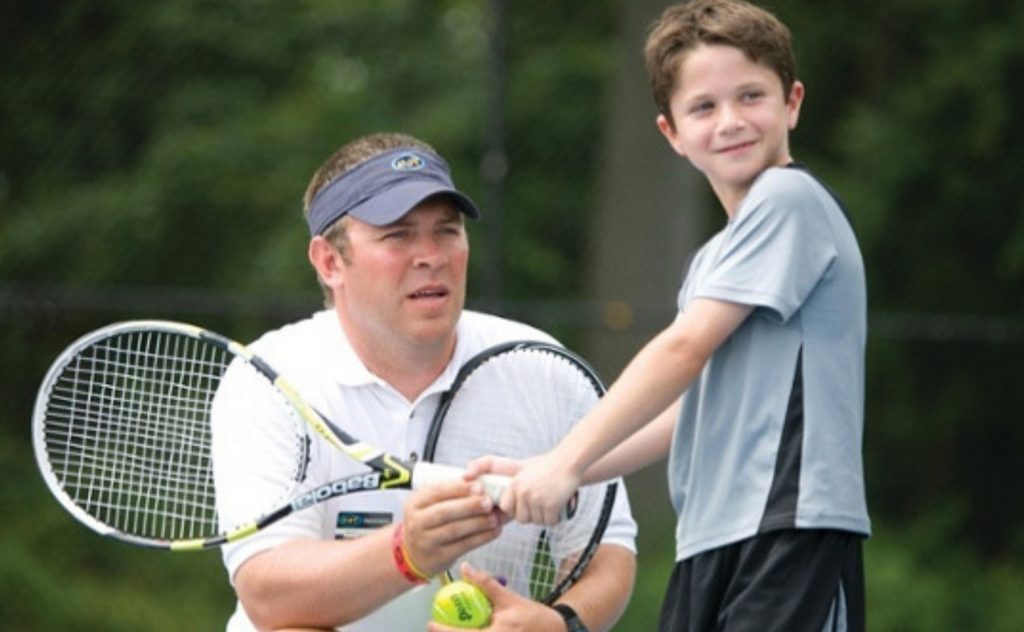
x,y
402,561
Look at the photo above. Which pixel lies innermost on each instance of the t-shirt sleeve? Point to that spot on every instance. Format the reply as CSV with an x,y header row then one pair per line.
x,y
776,249
622,527
257,449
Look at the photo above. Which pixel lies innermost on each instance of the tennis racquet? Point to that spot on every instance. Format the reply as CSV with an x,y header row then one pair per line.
x,y
122,435
518,400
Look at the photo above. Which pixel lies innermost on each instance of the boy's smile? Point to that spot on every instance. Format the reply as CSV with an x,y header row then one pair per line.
x,y
730,118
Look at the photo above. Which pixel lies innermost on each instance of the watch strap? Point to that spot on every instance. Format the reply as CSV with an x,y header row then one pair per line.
x,y
572,620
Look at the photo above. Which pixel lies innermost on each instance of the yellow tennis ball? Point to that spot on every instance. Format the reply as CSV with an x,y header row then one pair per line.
x,y
460,604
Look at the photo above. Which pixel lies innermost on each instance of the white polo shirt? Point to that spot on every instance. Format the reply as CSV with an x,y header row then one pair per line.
x,y
316,357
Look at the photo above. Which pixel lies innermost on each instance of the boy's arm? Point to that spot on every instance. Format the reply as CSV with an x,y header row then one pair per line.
x,y
646,446
655,377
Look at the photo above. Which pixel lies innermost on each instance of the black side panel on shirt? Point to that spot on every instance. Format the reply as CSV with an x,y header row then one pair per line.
x,y
780,511
835,196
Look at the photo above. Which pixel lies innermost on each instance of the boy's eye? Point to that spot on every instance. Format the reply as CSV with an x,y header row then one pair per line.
x,y
701,107
752,95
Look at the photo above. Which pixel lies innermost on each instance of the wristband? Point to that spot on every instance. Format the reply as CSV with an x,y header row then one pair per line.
x,y
402,561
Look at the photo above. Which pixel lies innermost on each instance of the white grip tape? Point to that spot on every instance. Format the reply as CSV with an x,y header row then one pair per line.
x,y
425,474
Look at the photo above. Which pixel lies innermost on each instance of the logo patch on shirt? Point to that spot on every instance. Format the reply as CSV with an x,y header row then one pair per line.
x,y
353,524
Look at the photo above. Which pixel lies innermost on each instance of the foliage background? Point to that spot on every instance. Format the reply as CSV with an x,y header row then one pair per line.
x,y
152,158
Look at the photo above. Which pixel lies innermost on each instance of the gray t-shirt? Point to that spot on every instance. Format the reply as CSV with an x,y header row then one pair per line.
x,y
769,436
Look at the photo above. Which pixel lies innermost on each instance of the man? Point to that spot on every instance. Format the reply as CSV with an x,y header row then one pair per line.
x,y
390,249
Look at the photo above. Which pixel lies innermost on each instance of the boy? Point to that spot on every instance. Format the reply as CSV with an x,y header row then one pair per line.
x,y
758,384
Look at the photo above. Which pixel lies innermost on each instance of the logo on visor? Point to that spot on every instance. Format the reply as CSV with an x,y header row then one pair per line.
x,y
407,162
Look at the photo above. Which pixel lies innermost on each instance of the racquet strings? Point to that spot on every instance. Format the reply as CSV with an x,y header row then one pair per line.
x,y
520,403
127,432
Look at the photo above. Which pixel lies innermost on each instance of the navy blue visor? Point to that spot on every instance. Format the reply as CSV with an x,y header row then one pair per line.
x,y
383,189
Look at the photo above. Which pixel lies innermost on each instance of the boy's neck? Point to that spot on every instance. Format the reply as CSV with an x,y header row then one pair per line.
x,y
732,198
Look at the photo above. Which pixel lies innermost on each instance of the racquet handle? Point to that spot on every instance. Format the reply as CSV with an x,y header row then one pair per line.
x,y
425,474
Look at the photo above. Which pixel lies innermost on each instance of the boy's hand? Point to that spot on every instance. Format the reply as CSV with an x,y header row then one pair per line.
x,y
541,486
541,490
493,465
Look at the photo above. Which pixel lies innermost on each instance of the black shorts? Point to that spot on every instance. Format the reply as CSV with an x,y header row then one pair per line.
x,y
796,580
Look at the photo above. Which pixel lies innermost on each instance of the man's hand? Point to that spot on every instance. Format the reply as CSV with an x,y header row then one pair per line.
x,y
445,521
511,611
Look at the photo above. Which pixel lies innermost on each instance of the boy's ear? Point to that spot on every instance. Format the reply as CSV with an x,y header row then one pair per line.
x,y
668,130
796,98
326,260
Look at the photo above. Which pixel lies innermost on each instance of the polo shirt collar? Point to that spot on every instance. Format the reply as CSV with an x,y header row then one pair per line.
x,y
348,369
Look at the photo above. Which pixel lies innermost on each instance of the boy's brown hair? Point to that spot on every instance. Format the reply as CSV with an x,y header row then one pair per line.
x,y
683,27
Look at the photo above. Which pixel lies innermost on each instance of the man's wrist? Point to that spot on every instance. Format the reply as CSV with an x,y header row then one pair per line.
x,y
402,561
572,620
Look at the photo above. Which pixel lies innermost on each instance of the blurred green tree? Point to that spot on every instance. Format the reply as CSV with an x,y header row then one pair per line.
x,y
152,158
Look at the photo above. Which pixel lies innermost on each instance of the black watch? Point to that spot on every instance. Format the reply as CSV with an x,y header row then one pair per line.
x,y
572,620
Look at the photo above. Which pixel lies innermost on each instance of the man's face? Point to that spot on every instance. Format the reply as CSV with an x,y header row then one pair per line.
x,y
405,283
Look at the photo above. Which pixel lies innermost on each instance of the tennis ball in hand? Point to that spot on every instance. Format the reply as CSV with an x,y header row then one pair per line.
x,y
460,604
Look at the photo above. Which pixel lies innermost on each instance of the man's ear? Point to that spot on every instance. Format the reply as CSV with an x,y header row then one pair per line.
x,y
327,262
668,130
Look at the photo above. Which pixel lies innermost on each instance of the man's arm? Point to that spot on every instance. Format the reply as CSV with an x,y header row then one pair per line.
x,y
601,594
324,583
297,583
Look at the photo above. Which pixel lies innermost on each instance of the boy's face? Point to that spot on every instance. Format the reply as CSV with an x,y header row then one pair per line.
x,y
731,119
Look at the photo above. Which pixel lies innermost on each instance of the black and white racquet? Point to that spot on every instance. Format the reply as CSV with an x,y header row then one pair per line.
x,y
122,435
518,400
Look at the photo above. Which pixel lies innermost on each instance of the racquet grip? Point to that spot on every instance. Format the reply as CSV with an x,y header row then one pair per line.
x,y
425,474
